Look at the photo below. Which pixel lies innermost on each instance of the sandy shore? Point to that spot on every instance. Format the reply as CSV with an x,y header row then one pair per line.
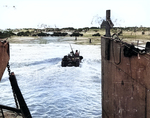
x,y
80,40
20,39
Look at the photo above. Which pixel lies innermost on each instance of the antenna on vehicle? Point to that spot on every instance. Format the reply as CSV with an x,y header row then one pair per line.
x,y
71,48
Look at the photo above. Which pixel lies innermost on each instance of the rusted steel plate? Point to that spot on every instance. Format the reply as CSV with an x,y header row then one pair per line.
x,y
128,97
4,57
125,83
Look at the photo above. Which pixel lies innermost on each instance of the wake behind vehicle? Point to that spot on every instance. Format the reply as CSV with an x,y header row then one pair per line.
x,y
72,59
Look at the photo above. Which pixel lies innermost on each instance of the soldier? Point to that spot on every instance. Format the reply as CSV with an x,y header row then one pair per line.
x,y
77,53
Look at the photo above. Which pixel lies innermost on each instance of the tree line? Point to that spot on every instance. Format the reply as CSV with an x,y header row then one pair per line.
x,y
62,31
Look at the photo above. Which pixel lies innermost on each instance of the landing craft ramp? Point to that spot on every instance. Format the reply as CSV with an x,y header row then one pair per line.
x,y
4,56
125,81
19,100
125,78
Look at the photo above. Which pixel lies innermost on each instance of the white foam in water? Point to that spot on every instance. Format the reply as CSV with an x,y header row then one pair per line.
x,y
52,91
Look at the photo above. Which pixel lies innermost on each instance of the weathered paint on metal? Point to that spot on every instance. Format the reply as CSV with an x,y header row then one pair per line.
x,y
125,83
4,57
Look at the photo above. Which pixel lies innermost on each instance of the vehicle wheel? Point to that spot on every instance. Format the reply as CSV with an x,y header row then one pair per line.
x,y
81,57
77,64
63,63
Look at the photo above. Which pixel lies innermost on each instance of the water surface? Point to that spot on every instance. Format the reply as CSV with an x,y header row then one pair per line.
x,y
52,91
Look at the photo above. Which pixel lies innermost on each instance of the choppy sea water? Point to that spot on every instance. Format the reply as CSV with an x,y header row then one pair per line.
x,y
52,91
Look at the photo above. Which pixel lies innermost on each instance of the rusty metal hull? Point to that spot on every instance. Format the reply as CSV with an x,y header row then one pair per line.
x,y
4,57
125,82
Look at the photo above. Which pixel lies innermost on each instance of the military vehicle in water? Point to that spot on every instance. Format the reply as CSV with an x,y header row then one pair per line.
x,y
72,59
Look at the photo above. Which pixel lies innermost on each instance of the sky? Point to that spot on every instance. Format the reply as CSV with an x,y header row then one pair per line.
x,y
72,13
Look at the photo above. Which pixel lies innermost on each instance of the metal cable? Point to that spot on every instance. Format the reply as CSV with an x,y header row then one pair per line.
x,y
15,98
125,44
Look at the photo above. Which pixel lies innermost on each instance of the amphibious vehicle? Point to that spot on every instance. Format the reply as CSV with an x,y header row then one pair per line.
x,y
71,60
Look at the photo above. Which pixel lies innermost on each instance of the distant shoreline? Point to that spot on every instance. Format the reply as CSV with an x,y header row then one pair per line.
x,y
128,35
80,40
